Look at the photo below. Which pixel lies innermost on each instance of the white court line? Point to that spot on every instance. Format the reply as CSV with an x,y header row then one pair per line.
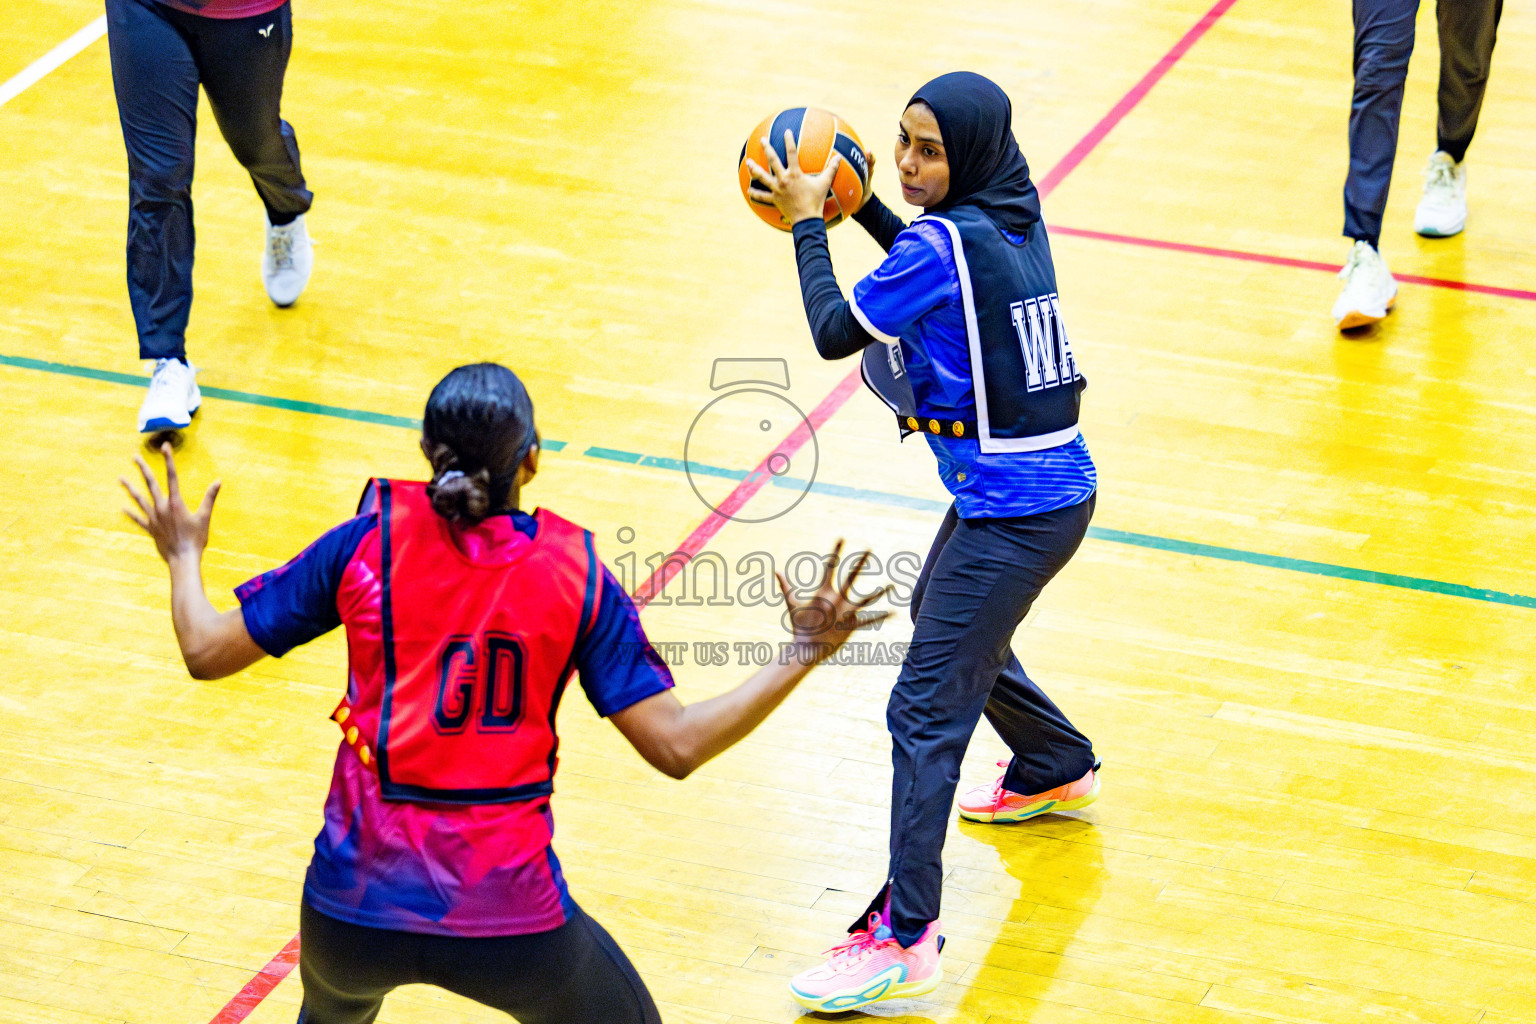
x,y
52,59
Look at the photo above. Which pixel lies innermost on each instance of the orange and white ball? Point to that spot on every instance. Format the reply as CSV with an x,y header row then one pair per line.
x,y
817,134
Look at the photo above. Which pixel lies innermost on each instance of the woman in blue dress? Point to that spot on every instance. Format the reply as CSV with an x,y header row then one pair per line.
x,y
961,333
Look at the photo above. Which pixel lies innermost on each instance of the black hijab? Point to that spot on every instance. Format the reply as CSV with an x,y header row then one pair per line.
x,y
986,169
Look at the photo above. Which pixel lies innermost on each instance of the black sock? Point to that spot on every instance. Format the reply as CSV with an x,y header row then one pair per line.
x,y
278,220
1455,150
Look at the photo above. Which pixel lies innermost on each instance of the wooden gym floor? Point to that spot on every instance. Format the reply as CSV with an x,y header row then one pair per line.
x,y
1301,634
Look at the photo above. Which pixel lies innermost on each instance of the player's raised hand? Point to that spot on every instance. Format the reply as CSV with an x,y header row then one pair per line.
x,y
826,620
177,531
798,195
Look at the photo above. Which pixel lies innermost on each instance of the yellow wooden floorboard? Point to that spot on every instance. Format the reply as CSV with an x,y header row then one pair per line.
x,y
1272,65
34,29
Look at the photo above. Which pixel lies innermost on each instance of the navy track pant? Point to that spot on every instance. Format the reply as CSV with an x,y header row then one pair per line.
x,y
159,57
980,579
1384,31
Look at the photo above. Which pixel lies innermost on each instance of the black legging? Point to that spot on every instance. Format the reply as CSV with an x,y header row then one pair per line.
x,y
575,974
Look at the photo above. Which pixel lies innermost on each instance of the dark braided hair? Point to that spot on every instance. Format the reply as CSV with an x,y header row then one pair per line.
x,y
477,429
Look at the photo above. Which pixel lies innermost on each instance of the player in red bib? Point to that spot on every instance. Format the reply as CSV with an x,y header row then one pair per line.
x,y
465,619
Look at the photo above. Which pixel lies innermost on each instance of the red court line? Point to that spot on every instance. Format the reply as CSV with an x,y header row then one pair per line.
x,y
743,491
1287,261
282,965
261,986
1088,143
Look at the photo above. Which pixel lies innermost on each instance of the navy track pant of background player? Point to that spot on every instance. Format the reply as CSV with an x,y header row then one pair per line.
x,y
1383,44
574,974
980,579
159,57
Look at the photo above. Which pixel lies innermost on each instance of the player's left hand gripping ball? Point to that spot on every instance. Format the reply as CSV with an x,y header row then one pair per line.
x,y
814,136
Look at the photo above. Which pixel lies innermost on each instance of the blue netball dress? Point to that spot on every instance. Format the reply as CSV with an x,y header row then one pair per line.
x,y
977,358
962,335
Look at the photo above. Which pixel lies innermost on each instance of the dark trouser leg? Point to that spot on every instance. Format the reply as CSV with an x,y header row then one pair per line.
x,y
347,970
946,529
1048,751
1383,44
242,71
576,973
902,774
1467,31
155,79
982,578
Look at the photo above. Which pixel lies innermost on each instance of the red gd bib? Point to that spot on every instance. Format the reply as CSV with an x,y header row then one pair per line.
x,y
476,656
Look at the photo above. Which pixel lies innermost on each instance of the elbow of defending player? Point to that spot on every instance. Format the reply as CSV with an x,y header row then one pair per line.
x,y
200,667
682,751
676,762
670,737
207,660
676,771
201,674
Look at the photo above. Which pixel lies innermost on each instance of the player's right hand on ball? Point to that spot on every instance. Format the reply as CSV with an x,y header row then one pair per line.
x,y
798,195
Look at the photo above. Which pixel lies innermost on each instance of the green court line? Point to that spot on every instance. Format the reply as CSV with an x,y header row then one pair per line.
x,y
662,462
1140,540
863,494
1342,572
229,395
792,482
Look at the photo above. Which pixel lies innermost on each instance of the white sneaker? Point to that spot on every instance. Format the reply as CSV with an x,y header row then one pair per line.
x,y
287,261
1443,210
1369,290
173,397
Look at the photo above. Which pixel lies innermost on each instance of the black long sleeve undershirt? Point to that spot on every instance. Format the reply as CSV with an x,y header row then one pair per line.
x,y
883,225
836,331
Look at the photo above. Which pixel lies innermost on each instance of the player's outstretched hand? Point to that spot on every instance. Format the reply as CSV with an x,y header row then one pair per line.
x,y
177,531
798,195
826,620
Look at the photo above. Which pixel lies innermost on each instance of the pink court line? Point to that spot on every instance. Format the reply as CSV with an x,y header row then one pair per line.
x,y
1287,261
1088,143
259,987
743,491
282,965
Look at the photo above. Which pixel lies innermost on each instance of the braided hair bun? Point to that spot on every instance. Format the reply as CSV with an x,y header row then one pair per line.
x,y
477,430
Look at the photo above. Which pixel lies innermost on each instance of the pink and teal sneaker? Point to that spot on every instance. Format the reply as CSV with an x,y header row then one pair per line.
x,y
868,966
993,803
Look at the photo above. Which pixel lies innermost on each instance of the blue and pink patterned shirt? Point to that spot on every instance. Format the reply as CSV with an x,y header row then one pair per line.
x,y
442,869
